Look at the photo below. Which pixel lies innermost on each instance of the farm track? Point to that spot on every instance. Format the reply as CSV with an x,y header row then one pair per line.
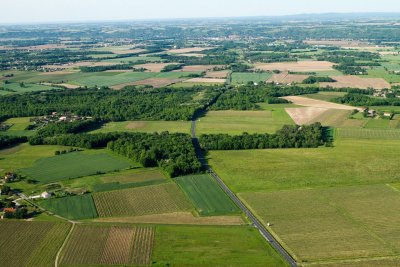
x,y
256,223
64,244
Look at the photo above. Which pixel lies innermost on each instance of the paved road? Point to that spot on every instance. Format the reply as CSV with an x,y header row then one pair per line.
x,y
256,223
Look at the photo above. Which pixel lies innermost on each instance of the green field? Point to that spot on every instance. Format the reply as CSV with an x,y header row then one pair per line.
x,y
145,127
74,208
206,195
28,87
155,199
367,133
351,161
380,72
18,127
31,244
134,59
245,77
269,120
212,246
336,223
73,165
325,96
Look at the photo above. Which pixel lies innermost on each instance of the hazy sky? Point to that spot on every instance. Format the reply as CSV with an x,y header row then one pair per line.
x,y
22,11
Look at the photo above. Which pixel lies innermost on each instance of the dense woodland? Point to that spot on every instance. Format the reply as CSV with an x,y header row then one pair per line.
x,y
366,101
290,136
105,104
6,141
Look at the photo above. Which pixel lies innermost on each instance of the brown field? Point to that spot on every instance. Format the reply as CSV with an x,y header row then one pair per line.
x,y
206,80
357,82
197,68
300,66
155,82
217,74
287,78
189,50
80,64
341,43
305,115
153,67
61,72
105,245
177,218
308,102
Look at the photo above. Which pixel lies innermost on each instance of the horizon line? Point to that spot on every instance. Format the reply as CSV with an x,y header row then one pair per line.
x,y
93,21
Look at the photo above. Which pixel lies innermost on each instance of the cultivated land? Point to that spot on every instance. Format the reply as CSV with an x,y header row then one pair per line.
x,y
236,122
286,78
335,223
146,126
304,101
217,246
109,245
18,127
31,243
75,164
206,195
141,201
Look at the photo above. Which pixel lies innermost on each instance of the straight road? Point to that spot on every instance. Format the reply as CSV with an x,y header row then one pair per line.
x,y
256,223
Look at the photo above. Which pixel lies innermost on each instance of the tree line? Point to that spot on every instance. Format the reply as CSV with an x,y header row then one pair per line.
x,y
290,136
6,141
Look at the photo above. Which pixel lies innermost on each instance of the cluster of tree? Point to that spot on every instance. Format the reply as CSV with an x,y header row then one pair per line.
x,y
83,140
366,101
57,128
350,69
290,136
104,68
316,79
63,152
172,152
172,67
239,67
206,60
6,141
247,97
128,104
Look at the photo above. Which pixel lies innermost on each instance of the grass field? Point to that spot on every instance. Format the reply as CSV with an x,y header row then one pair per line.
x,y
236,122
74,208
18,127
206,195
212,246
73,165
31,243
351,161
358,133
380,72
145,126
335,223
245,77
155,199
109,245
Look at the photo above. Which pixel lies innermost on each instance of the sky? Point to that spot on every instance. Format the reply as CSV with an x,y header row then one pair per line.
x,y
31,11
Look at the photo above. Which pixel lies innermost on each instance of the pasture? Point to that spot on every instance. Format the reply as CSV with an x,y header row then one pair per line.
x,y
31,243
212,246
72,207
336,223
325,96
141,201
286,78
246,77
16,88
206,195
73,165
145,127
18,127
109,245
236,122
349,162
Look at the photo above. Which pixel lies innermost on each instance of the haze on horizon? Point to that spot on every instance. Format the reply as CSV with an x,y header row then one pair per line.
x,y
35,11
